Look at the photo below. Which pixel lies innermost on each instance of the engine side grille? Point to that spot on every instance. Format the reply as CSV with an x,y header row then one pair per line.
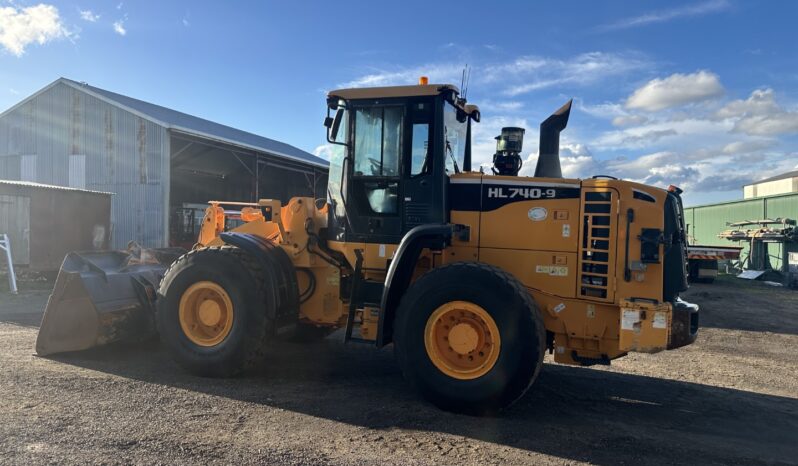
x,y
597,256
416,213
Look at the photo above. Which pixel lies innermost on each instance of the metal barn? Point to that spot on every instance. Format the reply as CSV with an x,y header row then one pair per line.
x,y
162,165
706,221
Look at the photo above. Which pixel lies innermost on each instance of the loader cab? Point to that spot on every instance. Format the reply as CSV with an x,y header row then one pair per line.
x,y
393,150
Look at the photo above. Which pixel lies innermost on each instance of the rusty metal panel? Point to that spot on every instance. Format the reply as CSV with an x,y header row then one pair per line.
x,y
120,153
15,222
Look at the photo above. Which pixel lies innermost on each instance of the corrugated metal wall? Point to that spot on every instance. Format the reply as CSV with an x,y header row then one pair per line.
x,y
124,154
15,222
708,220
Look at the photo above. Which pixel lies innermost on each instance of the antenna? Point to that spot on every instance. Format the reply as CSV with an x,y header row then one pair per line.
x,y
464,81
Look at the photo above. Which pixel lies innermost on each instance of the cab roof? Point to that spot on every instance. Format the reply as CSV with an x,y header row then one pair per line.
x,y
420,90
392,91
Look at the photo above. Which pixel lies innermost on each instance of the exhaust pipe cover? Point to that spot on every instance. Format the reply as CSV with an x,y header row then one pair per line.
x,y
549,150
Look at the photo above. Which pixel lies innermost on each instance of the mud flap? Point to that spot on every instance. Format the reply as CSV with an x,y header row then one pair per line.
x,y
103,297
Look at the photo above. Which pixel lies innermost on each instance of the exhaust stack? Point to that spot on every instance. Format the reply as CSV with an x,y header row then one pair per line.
x,y
549,151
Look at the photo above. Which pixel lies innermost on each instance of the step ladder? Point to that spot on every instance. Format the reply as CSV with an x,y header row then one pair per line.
x,y
5,245
358,308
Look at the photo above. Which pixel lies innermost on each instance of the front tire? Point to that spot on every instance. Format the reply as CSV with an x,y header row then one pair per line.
x,y
469,338
213,311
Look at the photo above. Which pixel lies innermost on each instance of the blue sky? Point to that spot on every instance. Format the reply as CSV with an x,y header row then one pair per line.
x,y
702,94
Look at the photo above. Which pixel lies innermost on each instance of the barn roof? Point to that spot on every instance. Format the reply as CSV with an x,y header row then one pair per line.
x,y
783,176
189,124
31,184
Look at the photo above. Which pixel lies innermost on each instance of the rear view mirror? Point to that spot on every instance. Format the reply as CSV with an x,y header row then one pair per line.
x,y
336,124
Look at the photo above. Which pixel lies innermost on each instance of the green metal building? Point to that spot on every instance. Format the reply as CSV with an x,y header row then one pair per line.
x,y
706,221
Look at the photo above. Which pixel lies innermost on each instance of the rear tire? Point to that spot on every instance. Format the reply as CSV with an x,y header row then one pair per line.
x,y
241,279
508,305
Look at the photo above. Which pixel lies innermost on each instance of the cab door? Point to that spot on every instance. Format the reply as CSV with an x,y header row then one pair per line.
x,y
422,188
374,173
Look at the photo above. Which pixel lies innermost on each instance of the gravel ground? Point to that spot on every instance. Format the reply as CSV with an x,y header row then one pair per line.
x,y
732,397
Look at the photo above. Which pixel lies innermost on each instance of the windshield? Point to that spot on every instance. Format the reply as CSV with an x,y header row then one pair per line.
x,y
454,132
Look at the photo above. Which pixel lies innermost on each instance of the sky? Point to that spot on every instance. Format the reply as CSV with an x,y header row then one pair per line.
x,y
700,94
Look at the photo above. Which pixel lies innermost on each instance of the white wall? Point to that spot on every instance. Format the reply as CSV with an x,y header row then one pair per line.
x,y
771,188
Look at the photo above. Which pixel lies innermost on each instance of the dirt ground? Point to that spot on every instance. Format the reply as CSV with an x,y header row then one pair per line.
x,y
732,397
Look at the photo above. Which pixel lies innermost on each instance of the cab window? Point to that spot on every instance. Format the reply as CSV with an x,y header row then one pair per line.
x,y
454,133
377,154
378,133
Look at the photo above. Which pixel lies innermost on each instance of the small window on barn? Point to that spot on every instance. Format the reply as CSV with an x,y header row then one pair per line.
x,y
27,168
77,171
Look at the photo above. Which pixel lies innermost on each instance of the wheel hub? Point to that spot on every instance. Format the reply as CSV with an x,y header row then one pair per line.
x,y
462,340
210,313
206,313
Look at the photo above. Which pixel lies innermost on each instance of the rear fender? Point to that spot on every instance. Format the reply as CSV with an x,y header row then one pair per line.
x,y
278,270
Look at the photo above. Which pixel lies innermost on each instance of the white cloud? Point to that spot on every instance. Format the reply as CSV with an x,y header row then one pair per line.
x,y
535,73
769,125
520,76
22,26
711,6
747,147
437,73
760,102
629,120
324,151
576,161
506,106
680,133
88,15
675,90
760,115
119,27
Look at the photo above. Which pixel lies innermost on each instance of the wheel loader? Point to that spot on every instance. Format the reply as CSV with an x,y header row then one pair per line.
x,y
471,273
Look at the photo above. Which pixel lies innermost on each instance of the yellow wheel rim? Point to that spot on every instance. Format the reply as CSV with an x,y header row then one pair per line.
x,y
206,313
462,340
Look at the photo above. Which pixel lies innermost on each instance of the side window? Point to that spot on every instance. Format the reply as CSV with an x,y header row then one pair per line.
x,y
378,140
421,134
420,150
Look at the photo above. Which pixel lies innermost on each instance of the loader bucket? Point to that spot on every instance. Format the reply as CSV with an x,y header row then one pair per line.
x,y
102,297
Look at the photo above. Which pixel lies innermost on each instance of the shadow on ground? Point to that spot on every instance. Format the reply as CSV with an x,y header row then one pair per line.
x,y
575,413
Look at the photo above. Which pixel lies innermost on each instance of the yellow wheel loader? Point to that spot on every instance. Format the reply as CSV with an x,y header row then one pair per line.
x,y
471,274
